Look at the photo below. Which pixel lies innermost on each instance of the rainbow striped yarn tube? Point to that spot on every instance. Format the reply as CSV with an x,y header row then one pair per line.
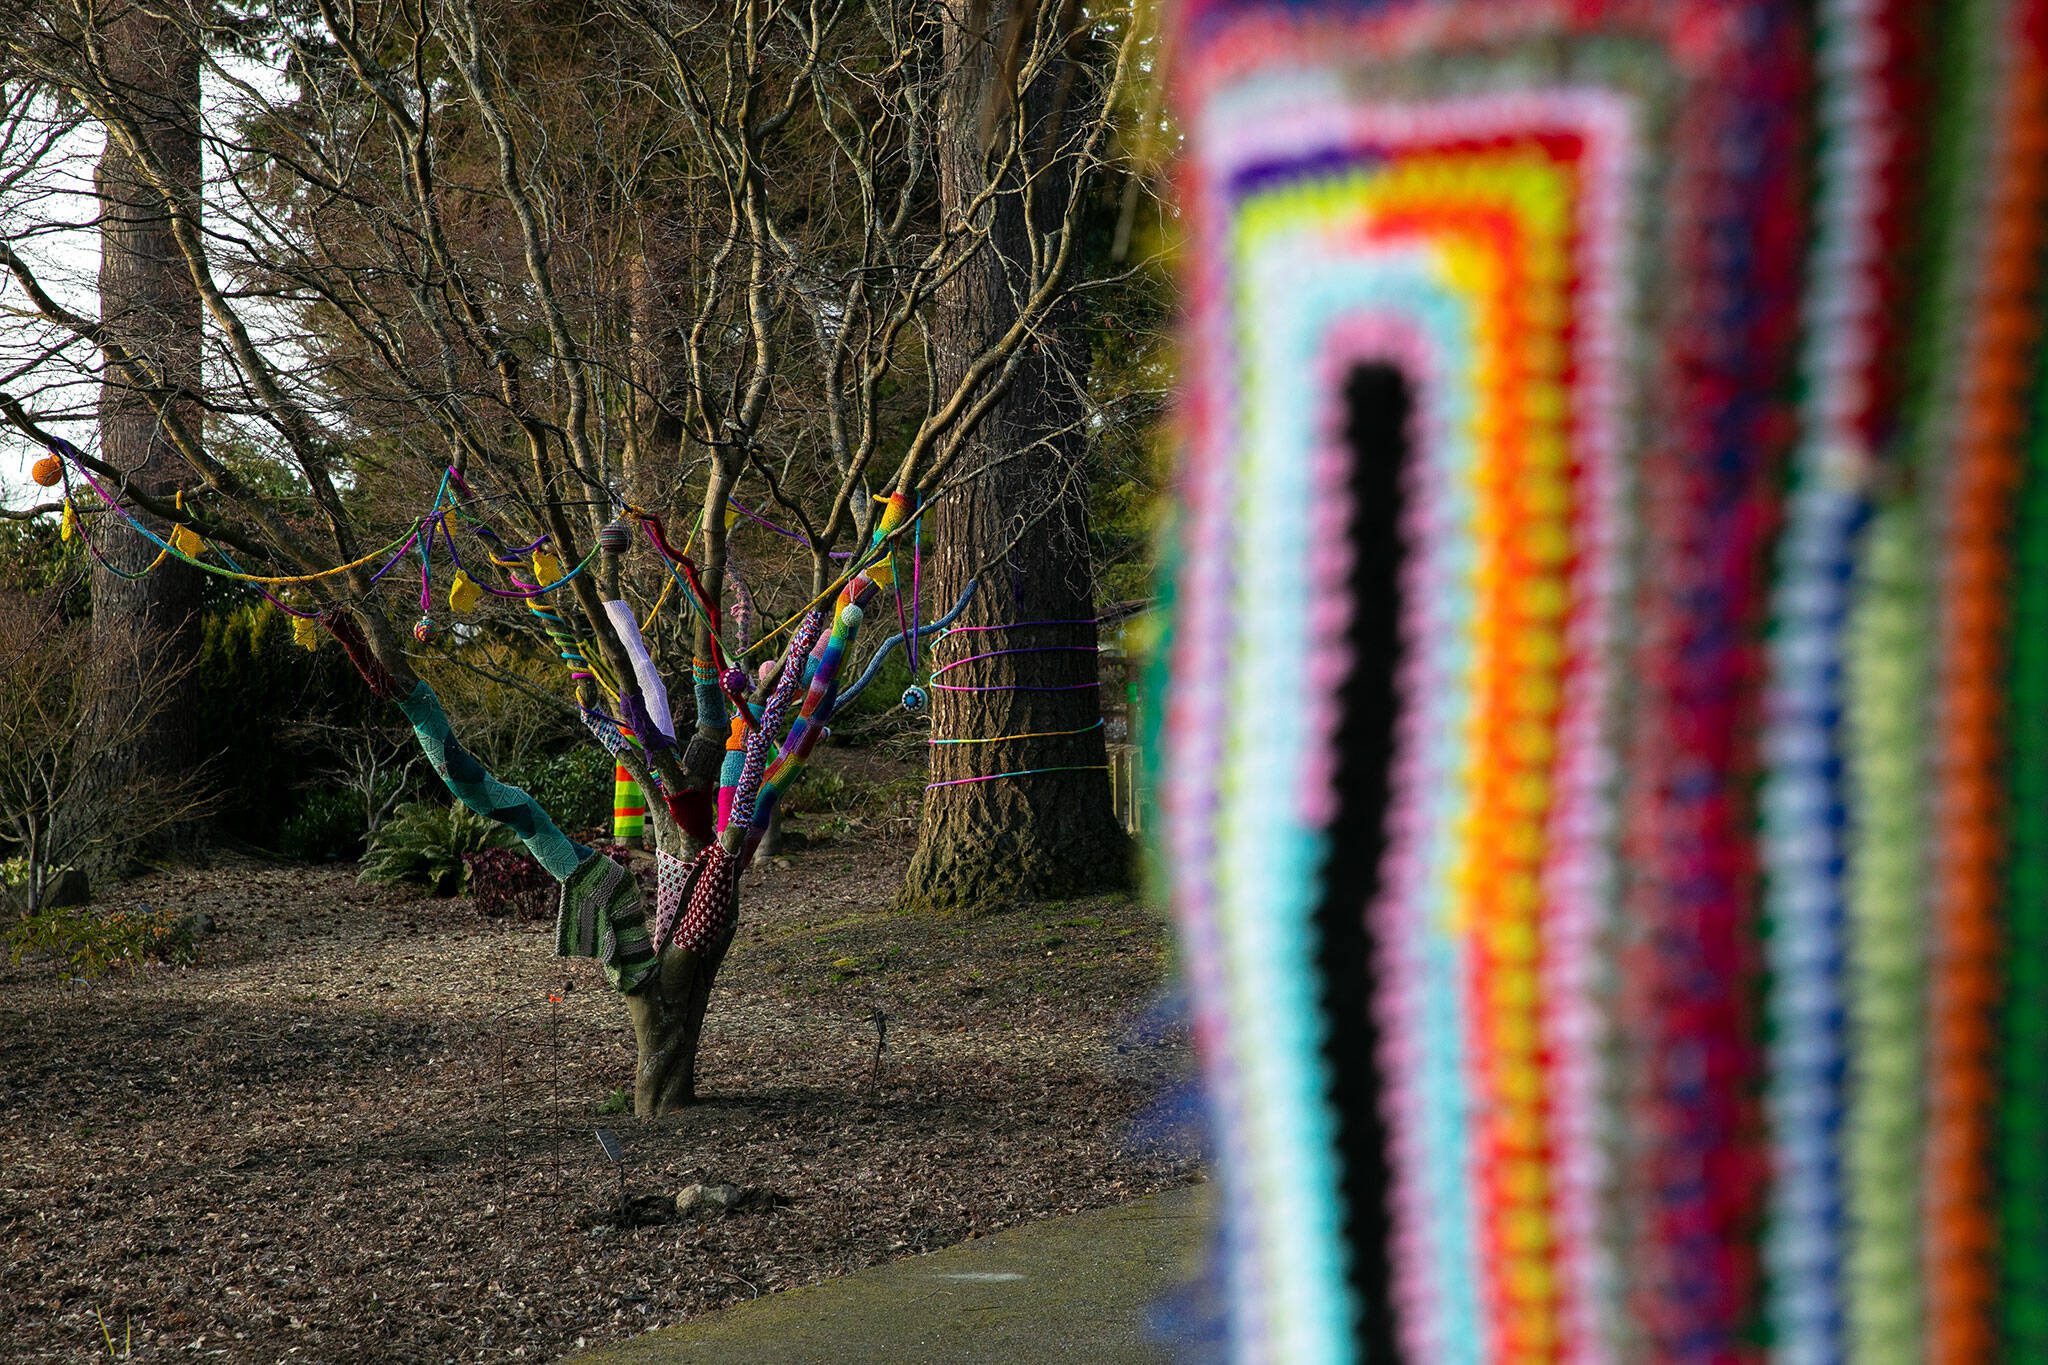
x,y
1623,427
629,807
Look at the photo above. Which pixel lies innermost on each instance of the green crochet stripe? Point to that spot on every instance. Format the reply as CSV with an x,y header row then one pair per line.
x,y
602,917
2023,1092
474,786
1888,674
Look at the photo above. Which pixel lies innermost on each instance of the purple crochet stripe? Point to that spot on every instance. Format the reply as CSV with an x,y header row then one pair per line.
x,y
521,594
752,516
999,653
1005,687
1020,625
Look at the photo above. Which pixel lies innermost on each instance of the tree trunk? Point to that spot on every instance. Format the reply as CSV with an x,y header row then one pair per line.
x,y
1019,523
148,302
668,1025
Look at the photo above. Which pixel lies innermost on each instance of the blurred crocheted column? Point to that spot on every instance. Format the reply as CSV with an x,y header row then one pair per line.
x,y
1606,762
1562,245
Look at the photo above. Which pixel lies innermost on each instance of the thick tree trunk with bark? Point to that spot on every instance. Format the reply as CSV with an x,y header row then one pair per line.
x,y
1020,525
149,304
668,1026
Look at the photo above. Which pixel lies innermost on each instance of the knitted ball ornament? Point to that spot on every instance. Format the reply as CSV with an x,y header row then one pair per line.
x,y
915,699
425,629
851,615
47,471
735,681
615,537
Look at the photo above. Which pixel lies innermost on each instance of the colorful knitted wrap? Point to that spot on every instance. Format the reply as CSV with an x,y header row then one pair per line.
x,y
1623,418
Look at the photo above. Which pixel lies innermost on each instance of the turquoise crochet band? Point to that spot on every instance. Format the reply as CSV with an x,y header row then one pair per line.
x,y
474,786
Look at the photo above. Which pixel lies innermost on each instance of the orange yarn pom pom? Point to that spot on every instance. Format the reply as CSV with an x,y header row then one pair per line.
x,y
47,471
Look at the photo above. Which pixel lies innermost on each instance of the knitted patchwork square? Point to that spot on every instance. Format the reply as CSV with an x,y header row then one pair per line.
x,y
600,917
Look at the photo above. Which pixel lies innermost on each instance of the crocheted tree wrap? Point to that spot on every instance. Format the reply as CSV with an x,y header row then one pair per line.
x,y
712,907
476,788
612,738
382,685
671,889
629,805
692,812
601,917
758,739
658,727
634,713
703,754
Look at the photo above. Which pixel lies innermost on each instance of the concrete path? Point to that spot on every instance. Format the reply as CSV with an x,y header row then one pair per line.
x,y
1067,1289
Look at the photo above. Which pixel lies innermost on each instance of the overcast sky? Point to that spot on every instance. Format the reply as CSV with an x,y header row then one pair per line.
x,y
66,259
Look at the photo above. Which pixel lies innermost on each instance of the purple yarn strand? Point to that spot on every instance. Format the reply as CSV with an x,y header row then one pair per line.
x,y
999,653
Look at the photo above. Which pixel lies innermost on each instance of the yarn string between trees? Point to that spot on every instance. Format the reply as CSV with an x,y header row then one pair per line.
x,y
919,700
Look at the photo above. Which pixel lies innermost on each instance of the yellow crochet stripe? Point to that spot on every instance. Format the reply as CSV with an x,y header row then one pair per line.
x,y
1032,734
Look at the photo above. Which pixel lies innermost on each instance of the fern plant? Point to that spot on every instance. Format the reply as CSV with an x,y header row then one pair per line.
x,y
427,843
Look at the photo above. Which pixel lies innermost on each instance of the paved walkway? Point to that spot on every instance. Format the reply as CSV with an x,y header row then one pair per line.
x,y
1067,1289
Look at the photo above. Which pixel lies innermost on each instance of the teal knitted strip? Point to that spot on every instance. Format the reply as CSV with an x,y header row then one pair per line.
x,y
475,787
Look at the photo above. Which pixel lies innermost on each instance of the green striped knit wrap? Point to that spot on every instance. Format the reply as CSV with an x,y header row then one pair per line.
x,y
601,917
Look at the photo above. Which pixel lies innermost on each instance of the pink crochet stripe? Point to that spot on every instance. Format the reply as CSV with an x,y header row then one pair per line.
x,y
1191,734
1578,875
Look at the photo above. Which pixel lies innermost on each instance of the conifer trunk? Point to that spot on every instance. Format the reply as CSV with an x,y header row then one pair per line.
x,y
1019,524
149,304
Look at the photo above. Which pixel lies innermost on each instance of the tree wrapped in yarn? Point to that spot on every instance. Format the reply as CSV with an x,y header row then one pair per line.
x,y
600,404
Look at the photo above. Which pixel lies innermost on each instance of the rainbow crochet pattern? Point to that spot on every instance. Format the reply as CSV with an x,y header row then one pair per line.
x,y
1623,418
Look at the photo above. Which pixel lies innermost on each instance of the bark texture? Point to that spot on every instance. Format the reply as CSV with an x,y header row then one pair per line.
x,y
1020,524
150,305
668,1026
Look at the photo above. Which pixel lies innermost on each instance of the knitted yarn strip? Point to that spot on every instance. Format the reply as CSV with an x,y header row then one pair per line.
x,y
475,787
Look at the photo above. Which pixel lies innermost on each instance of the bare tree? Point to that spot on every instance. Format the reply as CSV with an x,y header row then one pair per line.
x,y
426,270
72,693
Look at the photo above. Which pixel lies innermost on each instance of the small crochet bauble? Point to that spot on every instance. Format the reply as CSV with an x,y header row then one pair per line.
x,y
615,537
851,614
736,681
425,629
915,699
47,471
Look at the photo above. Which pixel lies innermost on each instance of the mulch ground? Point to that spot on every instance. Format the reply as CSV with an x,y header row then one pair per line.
x,y
359,1128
